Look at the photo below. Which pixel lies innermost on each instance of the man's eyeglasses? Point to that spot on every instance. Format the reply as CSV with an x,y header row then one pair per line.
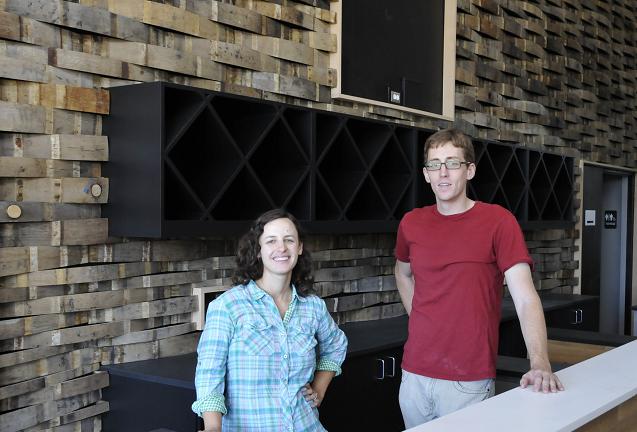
x,y
452,164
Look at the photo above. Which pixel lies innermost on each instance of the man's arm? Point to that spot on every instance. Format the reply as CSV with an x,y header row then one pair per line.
x,y
529,310
404,283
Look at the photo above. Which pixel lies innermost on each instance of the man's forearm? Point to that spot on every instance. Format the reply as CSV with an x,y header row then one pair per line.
x,y
534,332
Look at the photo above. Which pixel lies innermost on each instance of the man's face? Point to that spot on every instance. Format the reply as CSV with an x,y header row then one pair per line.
x,y
449,185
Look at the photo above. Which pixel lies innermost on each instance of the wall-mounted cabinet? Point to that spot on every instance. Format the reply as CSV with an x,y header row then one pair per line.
x,y
190,162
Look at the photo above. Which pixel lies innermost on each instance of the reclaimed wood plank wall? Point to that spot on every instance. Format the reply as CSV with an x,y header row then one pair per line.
x,y
555,75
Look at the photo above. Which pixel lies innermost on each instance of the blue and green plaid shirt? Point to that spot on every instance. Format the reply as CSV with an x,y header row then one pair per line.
x,y
261,363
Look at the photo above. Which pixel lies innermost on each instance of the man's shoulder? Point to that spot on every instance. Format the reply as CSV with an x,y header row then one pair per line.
x,y
494,210
417,213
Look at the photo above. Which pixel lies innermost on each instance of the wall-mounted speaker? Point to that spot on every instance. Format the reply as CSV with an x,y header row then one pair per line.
x,y
397,53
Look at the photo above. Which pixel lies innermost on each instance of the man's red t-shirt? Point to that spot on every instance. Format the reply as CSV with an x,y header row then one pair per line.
x,y
458,263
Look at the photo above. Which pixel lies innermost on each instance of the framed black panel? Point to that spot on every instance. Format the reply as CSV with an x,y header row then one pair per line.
x,y
397,53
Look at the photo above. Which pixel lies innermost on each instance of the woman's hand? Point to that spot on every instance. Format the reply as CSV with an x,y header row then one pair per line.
x,y
312,395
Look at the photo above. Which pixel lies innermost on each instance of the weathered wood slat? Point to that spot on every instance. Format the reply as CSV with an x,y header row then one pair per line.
x,y
30,167
278,12
53,364
41,212
370,313
30,416
56,233
64,147
61,190
153,334
150,350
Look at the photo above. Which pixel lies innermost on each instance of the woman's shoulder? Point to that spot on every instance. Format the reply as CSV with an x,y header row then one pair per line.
x,y
234,294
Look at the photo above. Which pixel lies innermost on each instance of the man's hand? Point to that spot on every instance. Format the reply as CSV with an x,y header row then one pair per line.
x,y
541,380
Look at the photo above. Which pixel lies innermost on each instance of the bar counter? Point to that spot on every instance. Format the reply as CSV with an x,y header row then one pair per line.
x,y
593,387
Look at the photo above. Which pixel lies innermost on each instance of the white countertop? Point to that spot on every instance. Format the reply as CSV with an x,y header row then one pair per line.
x,y
593,387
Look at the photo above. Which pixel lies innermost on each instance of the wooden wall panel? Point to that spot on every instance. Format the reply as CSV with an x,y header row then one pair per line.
x,y
556,75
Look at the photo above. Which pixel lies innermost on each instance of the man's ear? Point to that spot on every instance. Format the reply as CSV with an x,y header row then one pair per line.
x,y
426,174
471,171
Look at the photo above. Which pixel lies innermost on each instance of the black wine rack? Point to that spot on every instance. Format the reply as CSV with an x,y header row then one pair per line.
x,y
188,162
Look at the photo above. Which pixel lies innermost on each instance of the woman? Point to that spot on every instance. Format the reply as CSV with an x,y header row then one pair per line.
x,y
257,368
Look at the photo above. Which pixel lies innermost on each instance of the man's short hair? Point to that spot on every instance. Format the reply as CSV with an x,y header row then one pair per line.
x,y
456,138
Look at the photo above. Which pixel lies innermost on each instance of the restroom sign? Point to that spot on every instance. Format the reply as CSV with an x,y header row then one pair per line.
x,y
610,219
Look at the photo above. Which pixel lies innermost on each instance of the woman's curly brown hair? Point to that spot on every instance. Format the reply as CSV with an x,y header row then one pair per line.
x,y
249,265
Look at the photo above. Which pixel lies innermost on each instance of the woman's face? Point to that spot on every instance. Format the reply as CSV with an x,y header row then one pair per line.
x,y
280,247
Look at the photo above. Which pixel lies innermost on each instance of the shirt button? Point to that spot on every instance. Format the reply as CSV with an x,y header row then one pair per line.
x,y
285,356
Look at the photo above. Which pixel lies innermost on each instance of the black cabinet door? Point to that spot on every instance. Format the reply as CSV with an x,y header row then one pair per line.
x,y
581,316
365,395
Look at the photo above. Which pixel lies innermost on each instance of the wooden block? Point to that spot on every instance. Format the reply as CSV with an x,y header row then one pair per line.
x,y
86,333
22,118
181,62
65,147
53,364
241,56
280,13
282,84
150,350
322,41
22,69
181,20
67,190
90,63
153,334
40,212
74,98
9,26
81,17
284,49
371,313
56,233
228,14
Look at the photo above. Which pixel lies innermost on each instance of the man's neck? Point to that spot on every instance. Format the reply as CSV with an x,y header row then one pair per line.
x,y
456,207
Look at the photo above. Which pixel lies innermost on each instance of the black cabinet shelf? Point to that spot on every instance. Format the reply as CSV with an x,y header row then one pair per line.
x,y
190,162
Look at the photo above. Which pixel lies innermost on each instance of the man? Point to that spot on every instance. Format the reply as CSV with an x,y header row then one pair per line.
x,y
452,258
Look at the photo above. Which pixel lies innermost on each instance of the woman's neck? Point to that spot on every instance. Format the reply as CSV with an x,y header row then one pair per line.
x,y
278,287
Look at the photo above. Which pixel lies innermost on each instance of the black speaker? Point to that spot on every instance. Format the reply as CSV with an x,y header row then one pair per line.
x,y
392,51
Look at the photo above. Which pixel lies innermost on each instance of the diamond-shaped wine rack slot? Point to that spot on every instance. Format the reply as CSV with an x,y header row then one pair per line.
x,y
198,166
514,183
485,183
341,169
392,173
243,200
180,109
280,163
298,121
539,187
553,208
367,204
370,138
328,126
564,190
246,121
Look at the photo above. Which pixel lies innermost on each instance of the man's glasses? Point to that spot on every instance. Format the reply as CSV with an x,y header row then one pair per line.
x,y
452,164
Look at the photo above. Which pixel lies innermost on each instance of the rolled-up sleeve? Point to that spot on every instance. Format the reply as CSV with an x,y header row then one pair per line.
x,y
212,358
332,342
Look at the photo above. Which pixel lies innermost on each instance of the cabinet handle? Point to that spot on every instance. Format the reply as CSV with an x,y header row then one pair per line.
x,y
576,315
380,369
580,316
392,374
